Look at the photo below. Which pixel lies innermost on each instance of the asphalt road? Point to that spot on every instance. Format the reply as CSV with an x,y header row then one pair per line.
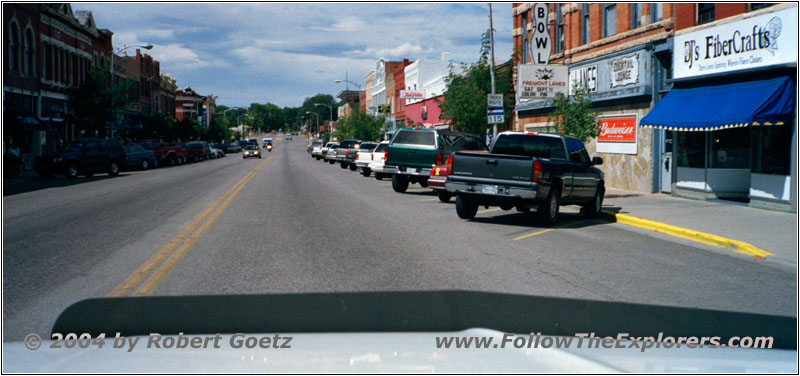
x,y
291,224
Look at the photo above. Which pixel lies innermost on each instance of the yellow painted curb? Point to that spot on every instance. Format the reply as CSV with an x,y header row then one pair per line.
x,y
701,237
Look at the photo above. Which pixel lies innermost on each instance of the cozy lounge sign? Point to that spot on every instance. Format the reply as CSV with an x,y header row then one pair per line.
x,y
768,39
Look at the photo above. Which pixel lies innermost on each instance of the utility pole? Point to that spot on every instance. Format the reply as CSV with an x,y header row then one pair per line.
x,y
491,61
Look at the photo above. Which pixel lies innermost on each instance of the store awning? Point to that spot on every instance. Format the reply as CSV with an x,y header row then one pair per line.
x,y
709,108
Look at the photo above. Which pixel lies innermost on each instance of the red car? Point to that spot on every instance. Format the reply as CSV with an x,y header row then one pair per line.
x,y
166,153
438,177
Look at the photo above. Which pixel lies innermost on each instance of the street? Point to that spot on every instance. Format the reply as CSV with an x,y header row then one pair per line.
x,y
297,225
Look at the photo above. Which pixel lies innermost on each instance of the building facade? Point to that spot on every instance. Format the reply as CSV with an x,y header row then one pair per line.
x,y
188,104
430,78
620,54
349,102
49,49
368,93
731,111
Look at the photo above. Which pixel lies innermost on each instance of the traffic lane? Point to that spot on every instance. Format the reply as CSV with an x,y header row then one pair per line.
x,y
328,229
65,244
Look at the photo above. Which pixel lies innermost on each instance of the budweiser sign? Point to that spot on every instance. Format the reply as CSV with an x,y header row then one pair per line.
x,y
617,129
412,94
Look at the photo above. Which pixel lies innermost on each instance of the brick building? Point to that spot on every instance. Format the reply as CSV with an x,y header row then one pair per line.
x,y
621,54
399,105
49,50
188,104
165,100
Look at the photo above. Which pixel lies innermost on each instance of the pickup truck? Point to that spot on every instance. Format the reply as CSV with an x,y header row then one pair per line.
x,y
528,170
166,153
364,157
414,151
343,152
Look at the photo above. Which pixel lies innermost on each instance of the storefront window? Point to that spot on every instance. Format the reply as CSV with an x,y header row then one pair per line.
x,y
730,148
772,149
691,149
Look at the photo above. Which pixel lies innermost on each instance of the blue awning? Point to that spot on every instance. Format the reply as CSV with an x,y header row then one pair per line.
x,y
710,108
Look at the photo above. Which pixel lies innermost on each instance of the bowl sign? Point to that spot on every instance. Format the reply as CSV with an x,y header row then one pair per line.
x,y
540,43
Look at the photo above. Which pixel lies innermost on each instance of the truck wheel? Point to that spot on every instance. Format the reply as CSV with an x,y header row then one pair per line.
x,y
342,165
72,171
331,161
366,172
399,183
423,183
145,164
506,207
353,167
548,210
444,196
378,176
465,208
592,209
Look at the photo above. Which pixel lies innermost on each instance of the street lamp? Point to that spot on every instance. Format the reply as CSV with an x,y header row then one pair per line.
x,y
330,110
114,54
316,114
348,81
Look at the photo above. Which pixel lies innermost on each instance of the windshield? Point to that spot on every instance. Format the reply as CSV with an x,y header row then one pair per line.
x,y
410,137
518,167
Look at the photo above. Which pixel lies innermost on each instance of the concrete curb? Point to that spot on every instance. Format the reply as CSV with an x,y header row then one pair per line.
x,y
697,236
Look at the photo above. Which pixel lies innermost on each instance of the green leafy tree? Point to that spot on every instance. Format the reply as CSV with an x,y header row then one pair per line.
x,y
464,102
575,116
361,126
217,132
93,103
187,129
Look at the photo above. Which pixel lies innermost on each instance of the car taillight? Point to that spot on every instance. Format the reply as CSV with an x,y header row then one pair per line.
x,y
372,156
439,158
347,152
536,174
450,163
386,154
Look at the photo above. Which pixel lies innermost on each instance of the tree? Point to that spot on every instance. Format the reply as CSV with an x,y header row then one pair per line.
x,y
575,116
218,131
361,126
92,104
464,101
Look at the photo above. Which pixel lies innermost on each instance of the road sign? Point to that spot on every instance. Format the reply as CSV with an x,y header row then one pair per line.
x,y
495,100
497,119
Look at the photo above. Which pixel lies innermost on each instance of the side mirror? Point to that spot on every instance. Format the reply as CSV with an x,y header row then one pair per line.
x,y
597,161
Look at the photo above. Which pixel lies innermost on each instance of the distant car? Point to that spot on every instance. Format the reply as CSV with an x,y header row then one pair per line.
x,y
266,141
288,137
330,156
166,153
222,148
139,157
376,163
216,152
85,156
316,149
363,157
343,153
232,148
199,150
251,151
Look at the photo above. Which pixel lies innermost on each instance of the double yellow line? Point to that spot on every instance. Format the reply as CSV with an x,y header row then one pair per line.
x,y
155,269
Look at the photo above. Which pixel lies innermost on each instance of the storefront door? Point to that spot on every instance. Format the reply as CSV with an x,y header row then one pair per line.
x,y
666,161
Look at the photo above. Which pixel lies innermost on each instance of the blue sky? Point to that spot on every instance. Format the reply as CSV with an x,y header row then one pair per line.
x,y
283,53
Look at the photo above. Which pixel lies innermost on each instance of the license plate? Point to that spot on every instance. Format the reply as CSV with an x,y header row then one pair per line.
x,y
411,170
489,189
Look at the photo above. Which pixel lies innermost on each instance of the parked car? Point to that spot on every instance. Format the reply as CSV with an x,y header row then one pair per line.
x,y
343,151
528,170
251,151
232,148
139,157
216,152
364,157
221,149
85,156
323,151
414,151
378,157
330,156
198,150
166,153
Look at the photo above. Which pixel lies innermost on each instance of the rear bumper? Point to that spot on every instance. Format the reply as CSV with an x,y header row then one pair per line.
x,y
437,182
505,194
362,164
405,171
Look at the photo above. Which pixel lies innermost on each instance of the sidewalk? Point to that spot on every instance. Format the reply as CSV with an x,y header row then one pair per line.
x,y
771,231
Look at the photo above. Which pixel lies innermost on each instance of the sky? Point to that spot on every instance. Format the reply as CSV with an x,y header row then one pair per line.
x,y
283,53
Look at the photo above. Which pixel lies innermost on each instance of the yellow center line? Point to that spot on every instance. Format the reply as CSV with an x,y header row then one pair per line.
x,y
143,271
429,199
548,230
488,210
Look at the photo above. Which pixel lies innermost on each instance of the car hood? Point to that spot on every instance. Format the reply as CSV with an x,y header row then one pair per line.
x,y
396,332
